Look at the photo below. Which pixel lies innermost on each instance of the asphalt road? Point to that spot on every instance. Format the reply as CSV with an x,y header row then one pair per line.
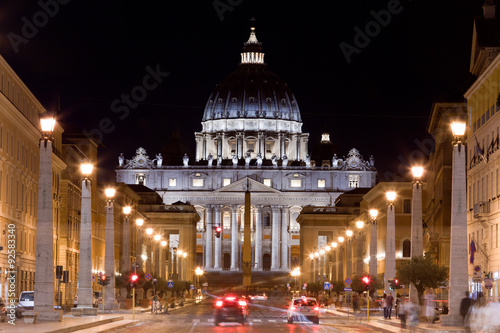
x,y
265,316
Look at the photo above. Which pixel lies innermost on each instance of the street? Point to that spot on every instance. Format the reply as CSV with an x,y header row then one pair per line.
x,y
265,316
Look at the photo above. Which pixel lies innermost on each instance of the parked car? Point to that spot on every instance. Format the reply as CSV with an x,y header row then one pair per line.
x,y
230,309
96,299
302,309
3,311
26,302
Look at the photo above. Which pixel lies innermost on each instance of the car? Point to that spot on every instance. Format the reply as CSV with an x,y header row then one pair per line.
x,y
230,309
258,297
3,311
96,299
302,308
26,302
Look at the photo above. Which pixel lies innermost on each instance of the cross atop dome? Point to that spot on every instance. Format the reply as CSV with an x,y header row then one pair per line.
x,y
252,48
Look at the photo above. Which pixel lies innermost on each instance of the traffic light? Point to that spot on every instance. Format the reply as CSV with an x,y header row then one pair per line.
x,y
394,284
218,230
99,280
105,280
133,280
366,280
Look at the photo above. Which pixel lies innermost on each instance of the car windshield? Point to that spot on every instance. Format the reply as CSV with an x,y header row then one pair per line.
x,y
304,302
29,297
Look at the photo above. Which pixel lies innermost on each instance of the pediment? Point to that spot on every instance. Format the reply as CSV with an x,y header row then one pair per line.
x,y
241,186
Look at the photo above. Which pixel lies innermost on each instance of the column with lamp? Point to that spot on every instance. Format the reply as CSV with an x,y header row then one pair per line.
x,y
348,255
328,270
138,248
340,264
390,247
321,266
359,250
156,256
109,250
163,256
333,246
458,276
316,266
199,272
311,259
126,239
149,233
372,268
417,244
44,265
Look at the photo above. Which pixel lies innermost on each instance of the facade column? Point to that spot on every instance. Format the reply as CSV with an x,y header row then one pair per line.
x,y
138,248
458,243
262,144
109,258
297,147
275,259
218,240
390,250
209,232
372,269
149,263
126,244
340,265
219,144
234,238
284,238
348,258
239,145
157,258
417,245
258,238
359,254
282,145
204,145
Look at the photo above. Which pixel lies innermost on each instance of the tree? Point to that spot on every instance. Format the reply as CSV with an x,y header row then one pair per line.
x,y
423,272
360,287
338,286
315,287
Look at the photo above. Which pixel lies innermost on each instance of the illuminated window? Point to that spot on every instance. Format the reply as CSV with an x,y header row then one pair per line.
x,y
226,181
321,183
172,182
353,181
197,182
295,183
267,182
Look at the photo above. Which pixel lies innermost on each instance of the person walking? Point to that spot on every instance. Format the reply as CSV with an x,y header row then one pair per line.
x,y
413,314
430,311
465,305
384,305
389,301
401,309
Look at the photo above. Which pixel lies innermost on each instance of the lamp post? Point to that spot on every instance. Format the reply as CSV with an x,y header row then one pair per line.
x,y
359,250
390,247
109,250
348,256
417,245
44,265
138,248
85,292
199,272
295,273
372,268
458,276
126,238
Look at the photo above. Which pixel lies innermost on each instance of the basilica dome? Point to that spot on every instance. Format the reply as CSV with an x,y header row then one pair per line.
x,y
252,91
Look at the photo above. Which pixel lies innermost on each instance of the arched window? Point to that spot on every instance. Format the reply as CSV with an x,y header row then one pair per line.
x,y
293,223
266,219
226,221
406,248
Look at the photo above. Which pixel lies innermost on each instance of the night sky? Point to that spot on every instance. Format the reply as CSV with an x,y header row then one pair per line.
x,y
91,52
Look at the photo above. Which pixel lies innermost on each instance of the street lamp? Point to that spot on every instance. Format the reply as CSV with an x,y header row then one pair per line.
x,y
199,272
390,247
44,264
417,244
372,268
85,292
109,250
295,273
458,281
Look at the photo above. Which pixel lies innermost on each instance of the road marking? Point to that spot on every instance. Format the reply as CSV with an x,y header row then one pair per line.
x,y
196,320
257,320
271,320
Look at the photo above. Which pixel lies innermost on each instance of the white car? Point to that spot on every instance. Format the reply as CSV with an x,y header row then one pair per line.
x,y
302,309
258,297
26,302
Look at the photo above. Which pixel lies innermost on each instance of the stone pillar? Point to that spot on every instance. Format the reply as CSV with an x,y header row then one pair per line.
x,y
458,281
372,269
209,232
44,265
297,147
218,240
284,239
282,145
138,250
109,258
126,244
204,145
262,144
239,145
312,268
149,263
417,245
340,266
348,258
219,145
359,254
258,238
234,238
275,259
390,250
157,258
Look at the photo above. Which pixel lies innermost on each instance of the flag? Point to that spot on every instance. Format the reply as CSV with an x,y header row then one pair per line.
x,y
472,251
479,151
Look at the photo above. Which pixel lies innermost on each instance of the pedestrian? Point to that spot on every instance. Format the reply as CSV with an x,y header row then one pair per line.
x,y
355,303
398,302
401,309
389,300
465,305
413,313
341,298
430,311
384,305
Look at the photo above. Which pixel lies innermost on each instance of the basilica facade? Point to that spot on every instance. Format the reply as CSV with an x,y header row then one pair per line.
x,y
251,138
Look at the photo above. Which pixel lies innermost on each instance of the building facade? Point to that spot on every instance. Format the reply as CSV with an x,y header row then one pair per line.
x,y
251,138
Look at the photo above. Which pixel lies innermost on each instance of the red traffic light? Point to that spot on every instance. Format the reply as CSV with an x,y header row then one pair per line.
x,y
218,229
103,278
366,279
134,277
396,281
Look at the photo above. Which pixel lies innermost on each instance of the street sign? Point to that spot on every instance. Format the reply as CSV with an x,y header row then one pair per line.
x,y
348,281
192,287
93,278
326,285
488,285
170,284
148,276
347,289
304,286
331,286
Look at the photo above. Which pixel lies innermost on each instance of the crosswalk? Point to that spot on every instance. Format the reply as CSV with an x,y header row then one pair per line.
x,y
250,321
